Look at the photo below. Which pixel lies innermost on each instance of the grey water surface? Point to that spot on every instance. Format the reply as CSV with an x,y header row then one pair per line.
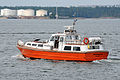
x,y
15,67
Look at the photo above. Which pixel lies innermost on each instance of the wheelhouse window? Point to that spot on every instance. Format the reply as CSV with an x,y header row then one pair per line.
x,y
61,39
72,37
67,48
40,45
52,38
34,44
94,47
29,44
68,37
76,37
76,48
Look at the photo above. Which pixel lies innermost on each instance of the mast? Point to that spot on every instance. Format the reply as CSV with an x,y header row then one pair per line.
x,y
70,29
74,23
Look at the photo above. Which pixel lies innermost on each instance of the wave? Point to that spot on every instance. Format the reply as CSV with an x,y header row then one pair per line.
x,y
18,56
113,60
109,60
21,57
109,34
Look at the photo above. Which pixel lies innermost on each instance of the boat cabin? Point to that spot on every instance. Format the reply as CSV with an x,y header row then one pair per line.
x,y
68,41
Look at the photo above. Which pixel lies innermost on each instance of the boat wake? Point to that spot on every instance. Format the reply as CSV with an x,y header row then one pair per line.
x,y
115,60
18,57
109,60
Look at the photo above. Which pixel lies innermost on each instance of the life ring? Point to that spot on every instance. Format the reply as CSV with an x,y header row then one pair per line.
x,y
86,40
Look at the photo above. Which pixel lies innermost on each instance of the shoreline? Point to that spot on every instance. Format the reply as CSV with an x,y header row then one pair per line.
x,y
40,17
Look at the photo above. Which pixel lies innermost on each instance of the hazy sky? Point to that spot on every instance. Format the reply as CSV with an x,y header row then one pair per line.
x,y
57,2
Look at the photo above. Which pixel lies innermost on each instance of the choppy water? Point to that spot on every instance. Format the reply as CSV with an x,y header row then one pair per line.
x,y
14,67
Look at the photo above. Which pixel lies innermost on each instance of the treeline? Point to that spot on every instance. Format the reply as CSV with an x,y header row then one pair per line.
x,y
71,12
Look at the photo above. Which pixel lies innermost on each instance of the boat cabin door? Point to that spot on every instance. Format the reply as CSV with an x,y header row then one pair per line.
x,y
56,41
61,40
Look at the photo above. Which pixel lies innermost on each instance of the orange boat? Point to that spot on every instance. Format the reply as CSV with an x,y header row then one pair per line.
x,y
67,46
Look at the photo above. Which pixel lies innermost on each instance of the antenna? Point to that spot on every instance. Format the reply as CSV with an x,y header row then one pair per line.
x,y
74,22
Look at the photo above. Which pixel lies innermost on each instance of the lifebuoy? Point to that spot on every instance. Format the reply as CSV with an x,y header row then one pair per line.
x,y
86,40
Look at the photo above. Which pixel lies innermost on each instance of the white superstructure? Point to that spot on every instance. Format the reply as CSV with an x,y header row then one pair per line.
x,y
70,40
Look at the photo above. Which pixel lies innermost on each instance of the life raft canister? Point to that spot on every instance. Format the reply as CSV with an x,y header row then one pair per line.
x,y
86,40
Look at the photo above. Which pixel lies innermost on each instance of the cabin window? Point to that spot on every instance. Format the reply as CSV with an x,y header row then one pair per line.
x,y
40,45
29,44
76,48
61,39
68,37
56,37
52,38
99,42
67,30
67,48
34,44
76,37
94,47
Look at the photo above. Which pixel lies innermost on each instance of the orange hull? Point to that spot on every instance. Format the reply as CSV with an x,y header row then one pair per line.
x,y
70,56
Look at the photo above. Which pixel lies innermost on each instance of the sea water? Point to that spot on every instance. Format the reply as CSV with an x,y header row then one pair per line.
x,y
14,67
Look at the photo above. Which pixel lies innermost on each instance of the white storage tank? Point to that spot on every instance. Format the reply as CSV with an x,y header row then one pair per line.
x,y
28,12
20,12
8,12
13,13
41,12
2,12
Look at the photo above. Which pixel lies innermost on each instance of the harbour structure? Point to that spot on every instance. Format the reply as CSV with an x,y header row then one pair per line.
x,y
41,12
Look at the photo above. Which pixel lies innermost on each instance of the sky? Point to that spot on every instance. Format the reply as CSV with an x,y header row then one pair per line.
x,y
57,2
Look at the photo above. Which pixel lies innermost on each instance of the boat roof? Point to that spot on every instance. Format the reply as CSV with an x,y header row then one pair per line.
x,y
59,34
68,31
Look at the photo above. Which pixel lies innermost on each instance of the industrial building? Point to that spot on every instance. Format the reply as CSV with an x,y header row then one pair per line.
x,y
23,14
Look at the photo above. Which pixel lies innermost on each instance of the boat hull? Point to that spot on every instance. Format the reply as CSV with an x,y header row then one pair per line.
x,y
63,55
